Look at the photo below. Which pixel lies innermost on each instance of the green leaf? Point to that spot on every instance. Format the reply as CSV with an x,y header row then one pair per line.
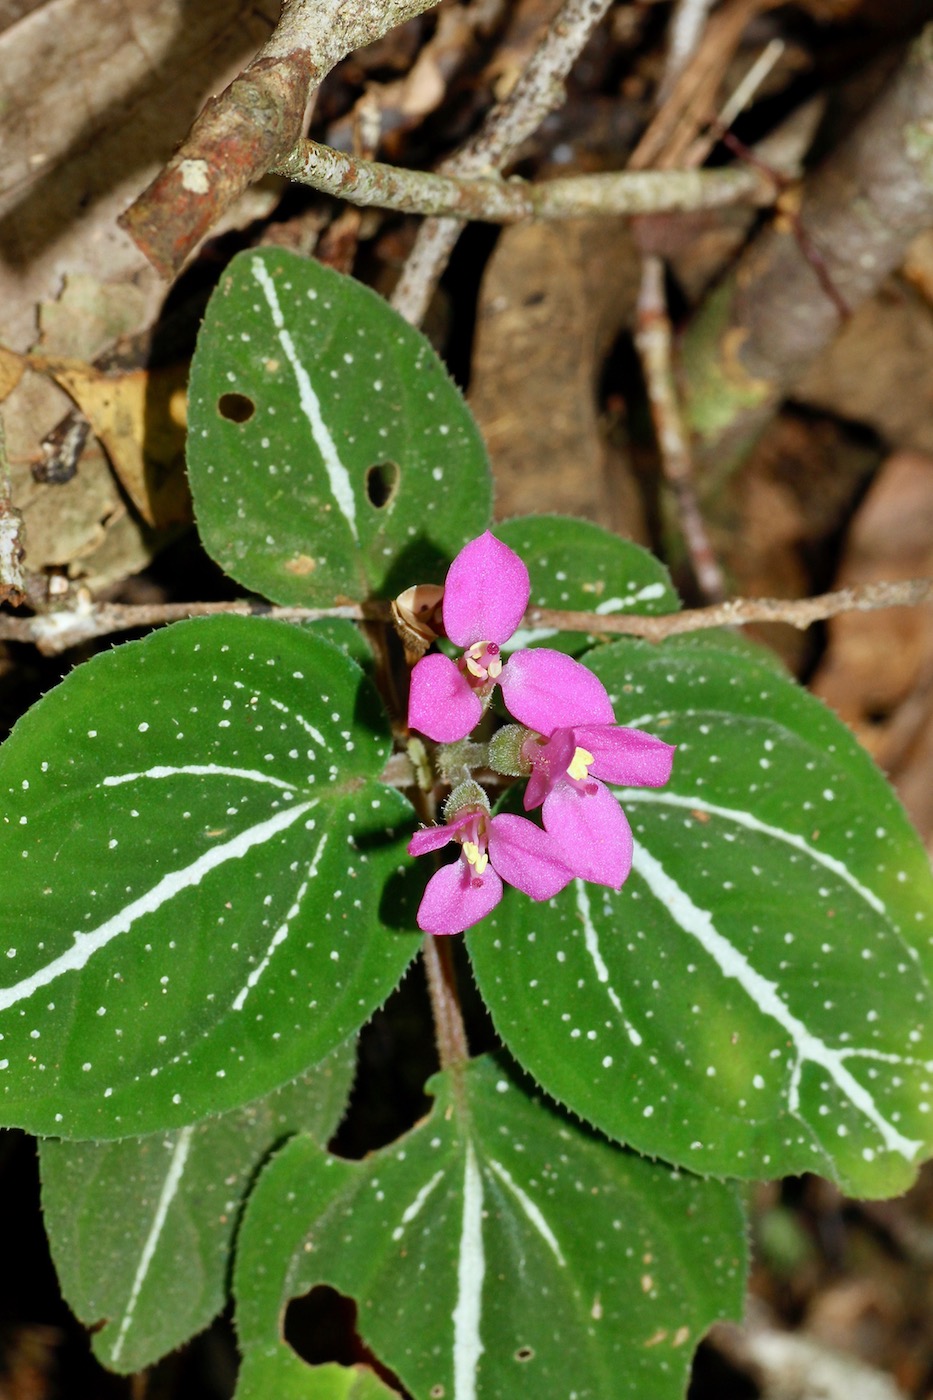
x,y
282,1374
498,1250
330,455
754,1001
141,1230
580,567
195,850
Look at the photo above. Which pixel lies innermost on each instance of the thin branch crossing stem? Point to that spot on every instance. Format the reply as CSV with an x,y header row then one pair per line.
x,y
493,200
56,632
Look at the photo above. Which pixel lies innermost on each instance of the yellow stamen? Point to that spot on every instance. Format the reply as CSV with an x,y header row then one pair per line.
x,y
494,669
579,765
479,860
473,668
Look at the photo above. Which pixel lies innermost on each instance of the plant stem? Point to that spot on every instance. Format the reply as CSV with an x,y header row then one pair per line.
x,y
449,1030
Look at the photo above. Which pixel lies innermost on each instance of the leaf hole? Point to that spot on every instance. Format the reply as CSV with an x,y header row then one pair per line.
x,y
236,408
382,483
525,1354
321,1327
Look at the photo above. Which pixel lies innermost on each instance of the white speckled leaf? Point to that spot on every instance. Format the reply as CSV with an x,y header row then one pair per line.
x,y
755,1001
195,851
495,1252
330,455
142,1230
580,567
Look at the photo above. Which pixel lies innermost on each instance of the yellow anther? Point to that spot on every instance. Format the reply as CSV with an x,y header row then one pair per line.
x,y
478,859
579,765
483,661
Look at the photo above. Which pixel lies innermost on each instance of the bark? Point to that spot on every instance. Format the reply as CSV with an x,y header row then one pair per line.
x,y
254,123
238,136
779,308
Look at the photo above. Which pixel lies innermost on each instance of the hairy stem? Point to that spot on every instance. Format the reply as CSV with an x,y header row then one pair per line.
x,y
449,1030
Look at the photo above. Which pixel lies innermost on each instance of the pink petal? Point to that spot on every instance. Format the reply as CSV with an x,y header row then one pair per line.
x,y
486,593
441,703
431,838
551,761
457,897
547,690
526,856
591,833
626,756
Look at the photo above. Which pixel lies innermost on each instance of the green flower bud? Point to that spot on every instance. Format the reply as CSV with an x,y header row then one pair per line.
x,y
505,751
466,794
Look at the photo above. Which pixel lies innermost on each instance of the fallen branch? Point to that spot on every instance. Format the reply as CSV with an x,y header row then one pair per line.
x,y
55,632
493,200
254,123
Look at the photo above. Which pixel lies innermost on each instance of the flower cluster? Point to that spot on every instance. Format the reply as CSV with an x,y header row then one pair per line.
x,y
566,741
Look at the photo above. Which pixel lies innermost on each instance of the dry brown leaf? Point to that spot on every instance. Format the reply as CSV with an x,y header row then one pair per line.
x,y
877,672
553,300
11,371
879,369
139,418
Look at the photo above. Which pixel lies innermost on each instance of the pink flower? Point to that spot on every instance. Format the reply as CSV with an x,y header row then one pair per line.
x,y
577,743
485,596
492,849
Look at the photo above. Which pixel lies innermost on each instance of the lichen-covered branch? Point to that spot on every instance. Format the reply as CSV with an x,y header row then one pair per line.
x,y
254,123
495,200
772,317
56,632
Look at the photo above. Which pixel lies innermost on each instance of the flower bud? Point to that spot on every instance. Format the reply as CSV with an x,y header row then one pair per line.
x,y
505,751
465,794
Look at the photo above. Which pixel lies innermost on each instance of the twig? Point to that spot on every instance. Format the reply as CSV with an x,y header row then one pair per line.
x,y
654,336
539,90
56,632
254,123
493,200
12,551
653,340
789,212
735,105
692,95
683,36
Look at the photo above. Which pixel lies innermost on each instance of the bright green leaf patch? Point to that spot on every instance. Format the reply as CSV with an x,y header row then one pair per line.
x,y
196,851
750,1003
578,567
498,1250
330,455
142,1230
